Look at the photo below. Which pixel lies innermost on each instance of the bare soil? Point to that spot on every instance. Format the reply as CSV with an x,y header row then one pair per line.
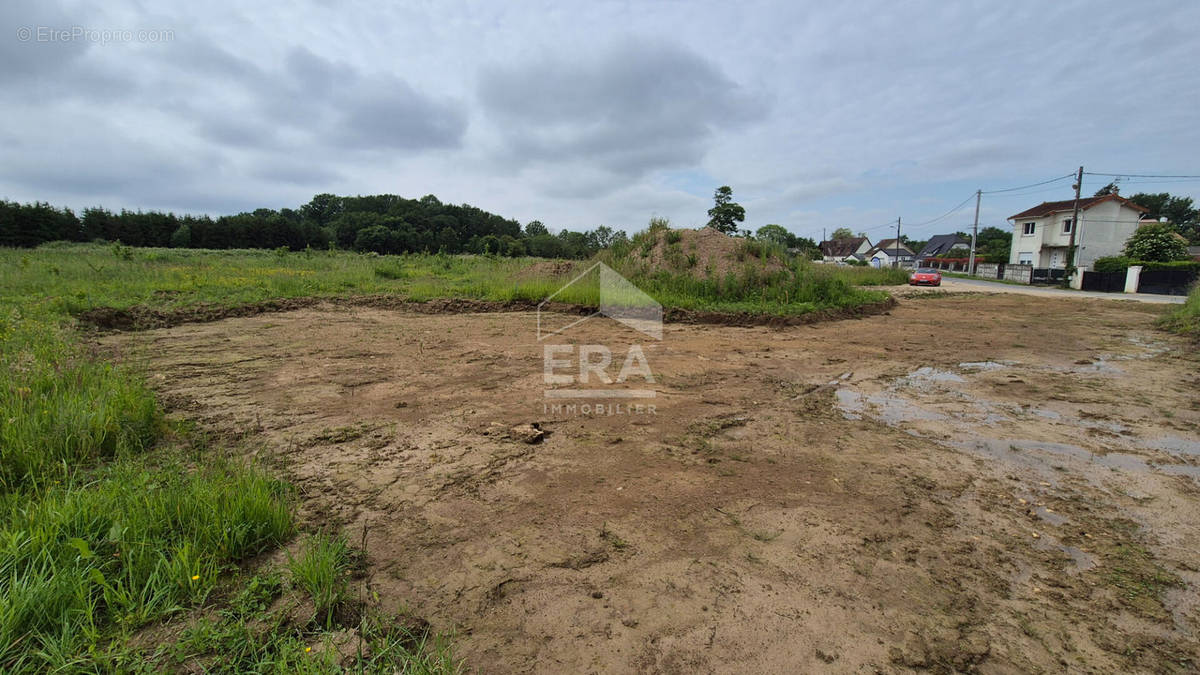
x,y
995,483
703,253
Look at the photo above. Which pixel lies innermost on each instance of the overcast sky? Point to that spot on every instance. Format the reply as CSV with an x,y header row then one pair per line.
x,y
819,115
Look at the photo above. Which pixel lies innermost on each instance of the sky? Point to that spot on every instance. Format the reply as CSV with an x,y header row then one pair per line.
x,y
579,114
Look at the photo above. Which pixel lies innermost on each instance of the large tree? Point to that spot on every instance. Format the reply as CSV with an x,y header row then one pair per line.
x,y
775,233
1177,210
725,213
842,233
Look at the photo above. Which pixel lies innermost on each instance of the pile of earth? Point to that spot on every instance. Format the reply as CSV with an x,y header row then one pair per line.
x,y
704,253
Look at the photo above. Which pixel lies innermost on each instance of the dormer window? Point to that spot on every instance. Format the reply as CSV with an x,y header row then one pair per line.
x,y
1029,229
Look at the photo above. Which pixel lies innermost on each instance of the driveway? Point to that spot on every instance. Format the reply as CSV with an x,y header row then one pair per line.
x,y
954,285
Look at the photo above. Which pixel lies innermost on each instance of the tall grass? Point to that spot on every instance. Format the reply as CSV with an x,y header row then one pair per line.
x,y
59,409
131,544
77,277
107,523
1185,319
320,570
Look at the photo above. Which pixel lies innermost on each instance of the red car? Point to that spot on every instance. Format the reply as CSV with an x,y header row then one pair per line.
x,y
925,277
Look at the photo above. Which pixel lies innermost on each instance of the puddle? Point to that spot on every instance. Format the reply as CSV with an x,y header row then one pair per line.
x,y
1082,560
1175,445
928,374
886,408
985,366
1049,516
1100,365
1041,455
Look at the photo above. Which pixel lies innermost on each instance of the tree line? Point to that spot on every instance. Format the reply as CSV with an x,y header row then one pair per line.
x,y
379,223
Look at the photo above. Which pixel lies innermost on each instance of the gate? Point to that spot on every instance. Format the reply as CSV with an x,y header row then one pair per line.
x,y
1166,282
1107,282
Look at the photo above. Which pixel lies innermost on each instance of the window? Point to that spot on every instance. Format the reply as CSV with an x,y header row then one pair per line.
x,y
1067,225
1025,258
1028,229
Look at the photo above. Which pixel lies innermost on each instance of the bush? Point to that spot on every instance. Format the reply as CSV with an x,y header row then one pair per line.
x,y
1189,265
1116,263
1156,242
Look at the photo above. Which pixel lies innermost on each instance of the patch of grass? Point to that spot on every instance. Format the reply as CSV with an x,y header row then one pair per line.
x,y
1185,319
94,557
320,570
74,278
613,538
61,411
248,637
1141,581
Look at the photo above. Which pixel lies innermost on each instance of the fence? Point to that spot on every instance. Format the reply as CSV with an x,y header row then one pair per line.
x,y
1048,275
1105,282
1166,282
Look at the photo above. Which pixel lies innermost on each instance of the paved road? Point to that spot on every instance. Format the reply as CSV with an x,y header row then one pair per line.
x,y
980,285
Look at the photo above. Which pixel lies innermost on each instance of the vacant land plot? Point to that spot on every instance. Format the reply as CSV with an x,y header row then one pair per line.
x,y
969,482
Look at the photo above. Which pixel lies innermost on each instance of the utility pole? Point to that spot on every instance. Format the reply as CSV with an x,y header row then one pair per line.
x,y
1074,221
896,251
974,234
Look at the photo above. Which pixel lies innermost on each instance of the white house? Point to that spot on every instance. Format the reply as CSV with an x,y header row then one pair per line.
x,y
1042,235
888,251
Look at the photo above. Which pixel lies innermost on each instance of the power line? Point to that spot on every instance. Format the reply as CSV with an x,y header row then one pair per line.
x,y
1023,187
1134,175
946,214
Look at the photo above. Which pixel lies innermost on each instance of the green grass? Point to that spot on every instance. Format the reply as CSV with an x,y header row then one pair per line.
x,y
1185,319
69,279
60,410
96,556
320,570
112,519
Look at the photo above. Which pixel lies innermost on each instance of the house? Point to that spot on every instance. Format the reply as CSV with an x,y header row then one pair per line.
x,y
837,250
945,245
1042,234
1194,253
890,251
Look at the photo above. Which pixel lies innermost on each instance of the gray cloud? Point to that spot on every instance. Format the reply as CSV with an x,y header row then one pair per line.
x,y
633,108
845,113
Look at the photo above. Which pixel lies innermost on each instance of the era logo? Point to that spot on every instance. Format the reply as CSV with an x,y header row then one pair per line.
x,y
594,361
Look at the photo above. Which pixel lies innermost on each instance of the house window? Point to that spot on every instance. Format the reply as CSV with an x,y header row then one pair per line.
x,y
1025,258
1067,225
1028,229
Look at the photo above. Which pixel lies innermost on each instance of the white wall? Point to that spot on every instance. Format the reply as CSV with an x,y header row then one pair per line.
x,y
1103,231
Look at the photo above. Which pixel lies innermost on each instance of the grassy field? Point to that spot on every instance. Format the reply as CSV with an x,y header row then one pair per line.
x,y
67,279
114,519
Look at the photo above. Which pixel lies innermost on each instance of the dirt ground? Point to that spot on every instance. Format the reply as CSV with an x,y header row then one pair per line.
x,y
994,483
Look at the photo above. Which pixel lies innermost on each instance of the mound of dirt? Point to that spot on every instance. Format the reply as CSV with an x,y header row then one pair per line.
x,y
704,253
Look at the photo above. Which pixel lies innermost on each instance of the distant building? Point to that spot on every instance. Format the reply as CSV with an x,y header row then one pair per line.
x,y
837,250
890,251
945,245
1042,235
1194,252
